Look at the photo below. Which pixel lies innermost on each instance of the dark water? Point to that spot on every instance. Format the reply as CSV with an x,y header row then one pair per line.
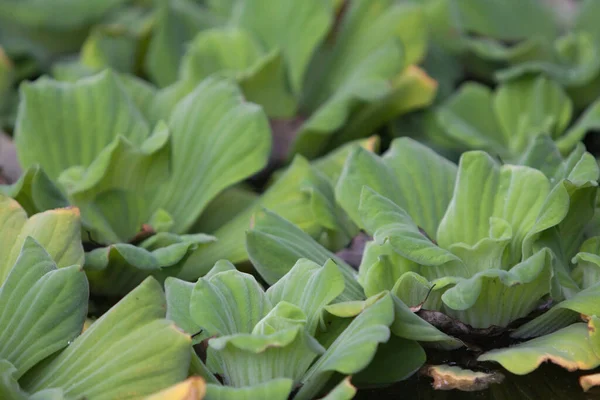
x,y
549,382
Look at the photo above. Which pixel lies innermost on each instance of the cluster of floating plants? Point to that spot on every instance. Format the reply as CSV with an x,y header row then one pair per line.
x,y
300,199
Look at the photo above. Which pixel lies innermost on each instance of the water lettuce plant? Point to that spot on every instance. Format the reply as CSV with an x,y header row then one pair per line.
x,y
505,40
475,228
354,72
128,178
504,122
277,341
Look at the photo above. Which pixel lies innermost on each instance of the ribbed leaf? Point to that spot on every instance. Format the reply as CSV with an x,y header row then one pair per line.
x,y
410,326
177,22
58,231
387,222
515,194
294,27
301,194
414,164
564,313
278,347
277,389
62,125
237,53
513,294
35,192
204,125
9,387
228,303
42,308
507,120
132,338
179,295
574,347
120,172
353,349
395,175
381,266
275,244
310,287
587,261
118,268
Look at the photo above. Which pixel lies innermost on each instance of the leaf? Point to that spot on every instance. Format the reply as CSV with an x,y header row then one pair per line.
x,y
58,231
343,391
587,270
409,325
64,125
573,348
9,386
133,338
564,313
275,244
296,28
512,19
277,389
513,294
193,388
381,266
310,287
179,295
278,347
301,194
394,176
573,61
507,120
388,222
484,190
228,303
204,125
413,163
92,187
160,256
394,361
362,64
42,308
177,22
353,349
35,192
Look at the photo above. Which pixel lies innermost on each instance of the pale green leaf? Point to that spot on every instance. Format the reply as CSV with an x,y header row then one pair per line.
x,y
353,349
204,125
574,347
296,28
118,268
42,308
278,347
387,222
62,125
133,338
275,244
227,303
58,231
497,297
309,286
277,389
564,313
